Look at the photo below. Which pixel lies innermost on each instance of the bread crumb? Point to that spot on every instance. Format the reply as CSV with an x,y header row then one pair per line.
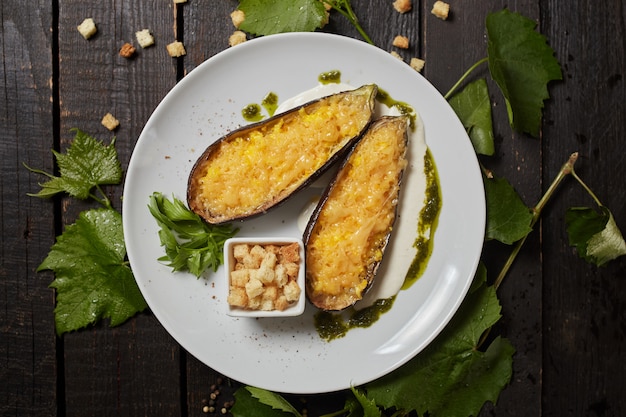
x,y
402,6
110,122
87,28
236,38
417,64
401,42
176,49
127,50
237,17
441,9
145,38
396,55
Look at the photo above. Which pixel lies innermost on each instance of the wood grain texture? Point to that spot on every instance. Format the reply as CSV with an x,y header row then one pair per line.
x,y
584,333
27,348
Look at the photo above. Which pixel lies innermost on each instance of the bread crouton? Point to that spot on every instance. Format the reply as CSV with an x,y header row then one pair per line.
x,y
240,251
110,122
87,28
290,253
417,64
237,17
292,291
144,38
127,50
441,9
176,49
402,6
401,42
254,288
236,38
239,278
237,297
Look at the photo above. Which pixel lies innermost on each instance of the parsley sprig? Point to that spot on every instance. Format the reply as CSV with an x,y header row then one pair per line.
x,y
190,243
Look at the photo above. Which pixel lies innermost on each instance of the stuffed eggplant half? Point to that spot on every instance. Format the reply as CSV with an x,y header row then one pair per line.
x,y
351,225
256,167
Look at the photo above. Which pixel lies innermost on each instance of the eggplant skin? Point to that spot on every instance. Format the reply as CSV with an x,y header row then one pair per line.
x,y
349,229
258,166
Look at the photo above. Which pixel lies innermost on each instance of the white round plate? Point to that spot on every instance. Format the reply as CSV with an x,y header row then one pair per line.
x,y
286,354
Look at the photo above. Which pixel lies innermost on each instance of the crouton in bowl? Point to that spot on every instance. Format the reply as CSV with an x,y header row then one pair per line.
x,y
265,277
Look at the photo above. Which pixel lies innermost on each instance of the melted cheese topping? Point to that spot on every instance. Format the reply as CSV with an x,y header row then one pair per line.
x,y
357,217
264,164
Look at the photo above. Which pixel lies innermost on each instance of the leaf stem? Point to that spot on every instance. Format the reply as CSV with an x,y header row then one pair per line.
x,y
591,193
566,169
463,77
344,7
104,200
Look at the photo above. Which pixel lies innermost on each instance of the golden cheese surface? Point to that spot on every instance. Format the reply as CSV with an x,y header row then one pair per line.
x,y
353,225
262,164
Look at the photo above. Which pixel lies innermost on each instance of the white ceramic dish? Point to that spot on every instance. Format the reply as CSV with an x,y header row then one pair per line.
x,y
229,265
286,354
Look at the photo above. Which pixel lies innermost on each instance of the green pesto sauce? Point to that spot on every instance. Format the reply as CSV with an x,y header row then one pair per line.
x,y
330,77
334,326
270,103
427,224
404,108
252,113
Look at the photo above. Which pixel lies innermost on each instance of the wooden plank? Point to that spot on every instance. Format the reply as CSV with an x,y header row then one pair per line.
x,y
584,342
450,48
134,368
28,348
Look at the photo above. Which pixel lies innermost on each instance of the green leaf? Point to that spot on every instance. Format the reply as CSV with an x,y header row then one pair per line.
x,y
473,107
595,235
522,64
92,279
272,399
190,243
248,405
86,163
508,218
267,17
370,409
452,377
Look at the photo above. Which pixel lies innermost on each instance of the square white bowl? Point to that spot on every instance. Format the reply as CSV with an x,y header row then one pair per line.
x,y
229,263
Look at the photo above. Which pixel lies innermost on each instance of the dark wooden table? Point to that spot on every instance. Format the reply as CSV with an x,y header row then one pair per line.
x,y
564,317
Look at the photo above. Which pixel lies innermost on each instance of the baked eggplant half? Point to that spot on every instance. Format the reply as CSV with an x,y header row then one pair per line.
x,y
258,166
351,225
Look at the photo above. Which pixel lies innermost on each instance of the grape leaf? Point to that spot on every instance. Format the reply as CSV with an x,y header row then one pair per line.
x,y
473,107
368,406
267,17
246,404
91,277
86,163
272,399
508,218
595,235
452,377
522,64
